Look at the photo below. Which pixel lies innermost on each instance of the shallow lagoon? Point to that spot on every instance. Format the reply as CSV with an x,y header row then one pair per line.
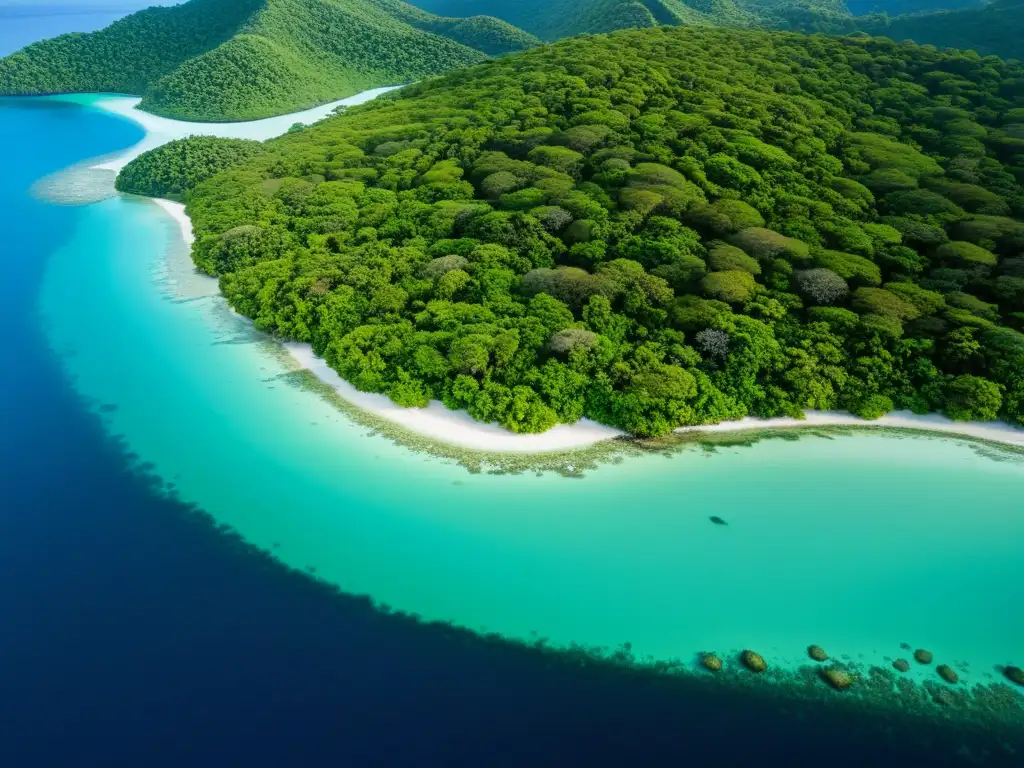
x,y
857,543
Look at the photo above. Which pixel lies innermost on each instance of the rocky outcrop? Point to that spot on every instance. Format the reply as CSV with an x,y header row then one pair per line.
x,y
1014,675
753,661
837,679
711,662
817,653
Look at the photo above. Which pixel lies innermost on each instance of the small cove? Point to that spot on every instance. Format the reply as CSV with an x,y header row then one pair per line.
x,y
857,543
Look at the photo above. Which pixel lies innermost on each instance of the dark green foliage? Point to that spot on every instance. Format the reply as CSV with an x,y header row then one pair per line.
x,y
733,286
872,407
972,398
995,28
243,59
686,263
171,170
722,257
960,254
555,19
766,245
849,266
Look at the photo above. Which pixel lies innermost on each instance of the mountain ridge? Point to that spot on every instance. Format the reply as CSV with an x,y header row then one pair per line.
x,y
220,60
996,28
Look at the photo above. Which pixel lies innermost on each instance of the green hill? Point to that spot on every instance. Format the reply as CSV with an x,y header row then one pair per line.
x,y
901,7
244,59
652,228
555,19
996,28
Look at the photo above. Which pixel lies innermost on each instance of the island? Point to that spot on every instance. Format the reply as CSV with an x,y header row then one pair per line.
x,y
643,230
231,60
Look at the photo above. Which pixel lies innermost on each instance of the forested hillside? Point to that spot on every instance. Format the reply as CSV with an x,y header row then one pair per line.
x,y
653,228
997,28
901,7
171,170
555,19
244,59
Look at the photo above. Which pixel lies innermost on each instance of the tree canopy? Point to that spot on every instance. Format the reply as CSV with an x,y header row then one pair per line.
x,y
652,228
173,169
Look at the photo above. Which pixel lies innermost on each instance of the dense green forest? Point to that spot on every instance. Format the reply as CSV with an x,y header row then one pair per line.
x,y
216,60
901,7
171,170
245,59
996,28
651,228
555,19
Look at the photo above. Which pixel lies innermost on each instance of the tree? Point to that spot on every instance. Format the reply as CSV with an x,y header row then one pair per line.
x,y
713,342
822,286
734,286
972,398
766,245
722,257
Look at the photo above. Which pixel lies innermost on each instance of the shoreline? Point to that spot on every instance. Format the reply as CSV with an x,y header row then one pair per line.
x,y
161,130
457,428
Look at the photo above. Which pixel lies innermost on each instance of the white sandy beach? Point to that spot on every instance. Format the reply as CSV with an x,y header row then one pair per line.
x,y
160,130
456,427
994,431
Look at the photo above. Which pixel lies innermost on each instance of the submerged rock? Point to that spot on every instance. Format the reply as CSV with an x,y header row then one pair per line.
x,y
753,661
817,653
921,656
1014,675
901,665
711,662
838,679
717,520
946,673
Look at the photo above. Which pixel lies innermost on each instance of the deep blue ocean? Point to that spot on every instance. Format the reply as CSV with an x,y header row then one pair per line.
x,y
134,632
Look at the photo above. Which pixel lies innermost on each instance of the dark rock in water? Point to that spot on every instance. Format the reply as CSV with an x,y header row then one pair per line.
x,y
921,656
901,665
946,673
717,520
838,679
711,662
817,653
753,661
1014,675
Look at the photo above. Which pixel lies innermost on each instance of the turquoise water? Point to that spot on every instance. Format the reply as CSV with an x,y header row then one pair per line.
x,y
858,543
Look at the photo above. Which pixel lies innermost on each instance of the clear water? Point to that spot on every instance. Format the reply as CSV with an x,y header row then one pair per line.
x,y
858,543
